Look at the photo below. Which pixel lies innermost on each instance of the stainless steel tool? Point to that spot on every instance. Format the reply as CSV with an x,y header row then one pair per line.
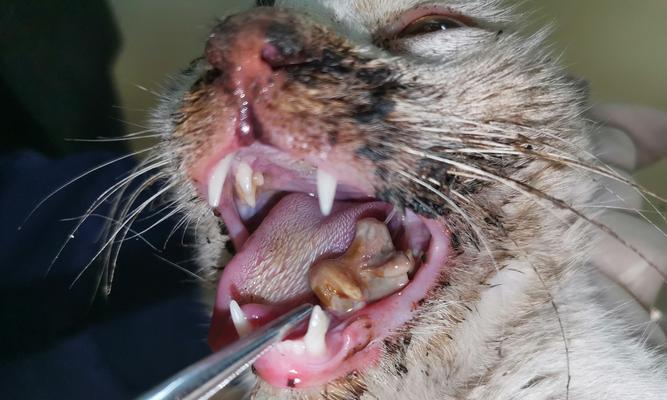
x,y
209,376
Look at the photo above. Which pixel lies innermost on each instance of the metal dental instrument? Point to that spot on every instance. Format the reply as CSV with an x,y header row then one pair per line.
x,y
207,377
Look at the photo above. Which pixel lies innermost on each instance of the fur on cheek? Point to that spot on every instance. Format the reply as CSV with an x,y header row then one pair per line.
x,y
477,140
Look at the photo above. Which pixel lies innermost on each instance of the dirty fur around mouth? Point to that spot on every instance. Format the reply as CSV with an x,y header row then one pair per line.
x,y
477,127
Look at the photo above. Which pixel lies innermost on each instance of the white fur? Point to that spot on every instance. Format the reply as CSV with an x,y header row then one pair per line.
x,y
532,325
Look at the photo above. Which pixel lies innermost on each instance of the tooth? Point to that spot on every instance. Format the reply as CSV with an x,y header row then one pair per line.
x,y
257,179
245,181
317,330
330,280
217,180
238,317
326,191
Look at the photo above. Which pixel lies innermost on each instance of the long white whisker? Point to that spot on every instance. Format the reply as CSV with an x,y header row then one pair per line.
x,y
528,190
161,220
73,180
112,252
183,269
113,221
123,225
456,208
119,139
96,204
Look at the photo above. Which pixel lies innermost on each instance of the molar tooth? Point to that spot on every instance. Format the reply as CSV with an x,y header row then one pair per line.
x,y
245,183
240,320
326,191
217,180
386,279
317,329
334,286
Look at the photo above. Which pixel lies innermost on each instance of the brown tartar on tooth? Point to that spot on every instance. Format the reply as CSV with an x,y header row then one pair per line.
x,y
247,182
370,270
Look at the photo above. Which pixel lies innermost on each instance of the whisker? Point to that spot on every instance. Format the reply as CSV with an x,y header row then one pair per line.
x,y
177,225
184,270
580,150
73,180
455,208
161,220
113,221
113,251
607,174
558,317
122,226
618,208
119,139
96,204
534,193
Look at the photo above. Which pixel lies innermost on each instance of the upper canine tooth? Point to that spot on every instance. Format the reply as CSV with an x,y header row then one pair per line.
x,y
326,191
317,330
238,317
245,182
217,180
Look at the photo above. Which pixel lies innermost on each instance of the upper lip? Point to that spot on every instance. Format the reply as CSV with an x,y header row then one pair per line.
x,y
223,183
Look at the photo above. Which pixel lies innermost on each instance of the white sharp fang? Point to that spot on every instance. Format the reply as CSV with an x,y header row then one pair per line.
x,y
317,330
326,191
238,317
244,180
217,180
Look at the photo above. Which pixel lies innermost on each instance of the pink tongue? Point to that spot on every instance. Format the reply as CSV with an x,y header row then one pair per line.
x,y
272,266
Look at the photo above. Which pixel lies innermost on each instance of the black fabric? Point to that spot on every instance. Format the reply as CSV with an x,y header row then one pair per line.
x,y
64,341
55,75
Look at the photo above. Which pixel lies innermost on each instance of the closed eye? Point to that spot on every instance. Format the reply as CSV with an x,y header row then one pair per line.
x,y
419,22
431,23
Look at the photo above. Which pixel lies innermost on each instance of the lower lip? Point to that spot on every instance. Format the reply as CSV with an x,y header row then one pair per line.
x,y
356,343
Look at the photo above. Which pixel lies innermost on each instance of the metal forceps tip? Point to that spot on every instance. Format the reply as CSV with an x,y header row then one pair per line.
x,y
207,377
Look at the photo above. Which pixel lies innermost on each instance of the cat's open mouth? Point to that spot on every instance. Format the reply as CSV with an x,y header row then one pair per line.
x,y
309,235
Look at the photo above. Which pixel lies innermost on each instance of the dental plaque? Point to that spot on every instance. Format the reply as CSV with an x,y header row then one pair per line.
x,y
370,270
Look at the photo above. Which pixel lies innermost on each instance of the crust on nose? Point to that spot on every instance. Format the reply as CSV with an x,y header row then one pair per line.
x,y
248,48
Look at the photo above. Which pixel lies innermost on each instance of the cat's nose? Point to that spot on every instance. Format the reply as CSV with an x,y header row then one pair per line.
x,y
248,49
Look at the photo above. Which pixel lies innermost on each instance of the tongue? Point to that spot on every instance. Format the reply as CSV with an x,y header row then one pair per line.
x,y
272,266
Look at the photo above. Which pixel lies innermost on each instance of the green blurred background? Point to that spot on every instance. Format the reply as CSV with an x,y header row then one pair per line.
x,y
618,45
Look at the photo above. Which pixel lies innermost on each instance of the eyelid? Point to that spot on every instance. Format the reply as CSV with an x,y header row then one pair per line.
x,y
404,19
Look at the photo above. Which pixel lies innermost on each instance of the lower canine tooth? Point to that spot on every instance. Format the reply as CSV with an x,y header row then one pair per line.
x,y
240,321
317,329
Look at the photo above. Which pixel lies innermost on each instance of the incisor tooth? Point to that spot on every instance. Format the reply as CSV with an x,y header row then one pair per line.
x,y
317,329
245,183
217,180
326,191
238,317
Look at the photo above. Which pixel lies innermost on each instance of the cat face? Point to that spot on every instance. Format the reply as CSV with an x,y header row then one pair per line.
x,y
409,166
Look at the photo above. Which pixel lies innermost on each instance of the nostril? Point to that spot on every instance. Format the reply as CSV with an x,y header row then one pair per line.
x,y
283,46
276,58
272,56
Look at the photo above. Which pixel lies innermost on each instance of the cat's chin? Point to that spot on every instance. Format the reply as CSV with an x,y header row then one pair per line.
x,y
365,265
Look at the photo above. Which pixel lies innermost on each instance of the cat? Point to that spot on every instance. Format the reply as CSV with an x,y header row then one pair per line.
x,y
416,169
